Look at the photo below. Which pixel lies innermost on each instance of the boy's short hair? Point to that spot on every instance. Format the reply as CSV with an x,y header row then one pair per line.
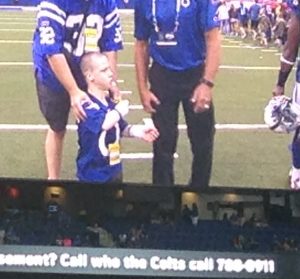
x,y
86,62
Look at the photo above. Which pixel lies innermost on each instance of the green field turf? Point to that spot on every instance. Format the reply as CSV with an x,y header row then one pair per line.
x,y
242,158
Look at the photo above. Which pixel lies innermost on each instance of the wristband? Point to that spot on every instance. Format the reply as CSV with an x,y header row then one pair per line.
x,y
136,131
283,60
119,113
282,77
207,82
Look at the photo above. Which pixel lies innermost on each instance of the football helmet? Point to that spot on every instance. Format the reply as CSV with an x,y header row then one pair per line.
x,y
282,115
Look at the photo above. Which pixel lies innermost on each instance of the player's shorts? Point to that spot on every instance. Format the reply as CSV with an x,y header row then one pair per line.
x,y
55,106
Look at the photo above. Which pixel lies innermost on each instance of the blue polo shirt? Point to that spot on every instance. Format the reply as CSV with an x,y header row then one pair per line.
x,y
195,18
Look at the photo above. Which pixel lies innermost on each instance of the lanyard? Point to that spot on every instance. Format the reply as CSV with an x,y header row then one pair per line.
x,y
176,22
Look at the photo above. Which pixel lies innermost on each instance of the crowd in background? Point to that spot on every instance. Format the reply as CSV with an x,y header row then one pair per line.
x,y
54,226
262,22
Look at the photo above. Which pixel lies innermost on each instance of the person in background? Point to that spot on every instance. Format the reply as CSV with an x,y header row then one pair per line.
x,y
243,18
183,41
280,31
233,20
66,29
264,29
223,16
254,12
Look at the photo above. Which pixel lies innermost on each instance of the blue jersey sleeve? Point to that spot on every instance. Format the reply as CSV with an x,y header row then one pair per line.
x,y
51,19
208,10
94,117
142,28
111,39
294,6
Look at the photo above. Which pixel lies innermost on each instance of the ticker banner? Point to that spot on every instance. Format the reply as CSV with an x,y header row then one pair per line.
x,y
143,262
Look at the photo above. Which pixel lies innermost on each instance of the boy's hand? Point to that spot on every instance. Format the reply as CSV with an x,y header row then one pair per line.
x,y
150,134
150,131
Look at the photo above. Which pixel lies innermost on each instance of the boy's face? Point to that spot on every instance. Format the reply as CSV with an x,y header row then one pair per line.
x,y
101,74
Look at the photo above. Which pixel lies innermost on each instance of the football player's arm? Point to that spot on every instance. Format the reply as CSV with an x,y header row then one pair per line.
x,y
114,91
60,67
112,57
202,96
289,54
110,42
141,58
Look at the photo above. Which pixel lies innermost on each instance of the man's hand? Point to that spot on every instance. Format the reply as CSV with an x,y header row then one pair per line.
x,y
149,101
202,98
78,98
278,90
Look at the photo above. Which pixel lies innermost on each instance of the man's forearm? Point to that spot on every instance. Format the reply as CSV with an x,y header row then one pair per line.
x,y
141,64
290,51
60,67
112,57
213,54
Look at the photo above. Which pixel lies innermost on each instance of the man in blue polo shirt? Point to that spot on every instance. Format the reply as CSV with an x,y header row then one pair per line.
x,y
288,59
66,29
183,40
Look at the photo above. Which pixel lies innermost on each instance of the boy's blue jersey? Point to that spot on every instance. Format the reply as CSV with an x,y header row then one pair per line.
x,y
59,29
195,17
98,157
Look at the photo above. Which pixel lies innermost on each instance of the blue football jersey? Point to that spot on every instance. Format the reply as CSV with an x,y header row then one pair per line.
x,y
195,17
98,157
60,28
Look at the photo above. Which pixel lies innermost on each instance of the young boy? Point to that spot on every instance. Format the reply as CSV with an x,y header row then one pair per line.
x,y
99,134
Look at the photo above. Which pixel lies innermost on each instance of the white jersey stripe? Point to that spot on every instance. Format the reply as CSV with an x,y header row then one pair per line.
x,y
110,24
55,17
111,15
50,6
